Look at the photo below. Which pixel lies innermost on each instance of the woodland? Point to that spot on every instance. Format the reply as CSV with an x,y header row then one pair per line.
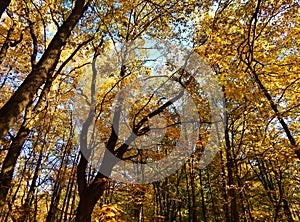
x,y
54,95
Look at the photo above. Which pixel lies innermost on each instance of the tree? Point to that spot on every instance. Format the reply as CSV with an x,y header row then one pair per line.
x,y
38,76
59,84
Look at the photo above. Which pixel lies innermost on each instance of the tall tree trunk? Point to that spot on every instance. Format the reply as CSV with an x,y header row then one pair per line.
x,y
30,196
225,193
10,162
214,210
277,113
17,143
90,194
194,205
67,197
187,185
234,213
251,63
38,76
89,198
52,213
287,211
204,217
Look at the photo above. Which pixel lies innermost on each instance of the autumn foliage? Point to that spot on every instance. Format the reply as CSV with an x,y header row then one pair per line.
x,y
58,90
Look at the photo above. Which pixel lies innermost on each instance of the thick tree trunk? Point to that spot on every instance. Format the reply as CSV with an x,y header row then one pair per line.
x,y
10,162
45,67
90,194
287,211
89,199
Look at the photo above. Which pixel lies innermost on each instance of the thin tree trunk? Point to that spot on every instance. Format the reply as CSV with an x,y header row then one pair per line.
x,y
249,63
187,185
72,208
234,213
52,213
214,211
30,196
194,205
278,114
8,43
224,183
69,191
202,197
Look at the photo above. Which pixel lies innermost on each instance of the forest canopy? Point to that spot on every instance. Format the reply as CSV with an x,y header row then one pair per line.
x,y
149,110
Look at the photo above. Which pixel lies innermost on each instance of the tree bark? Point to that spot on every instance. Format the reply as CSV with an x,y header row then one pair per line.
x,y
203,204
89,199
287,211
234,212
38,76
25,213
10,162
53,212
